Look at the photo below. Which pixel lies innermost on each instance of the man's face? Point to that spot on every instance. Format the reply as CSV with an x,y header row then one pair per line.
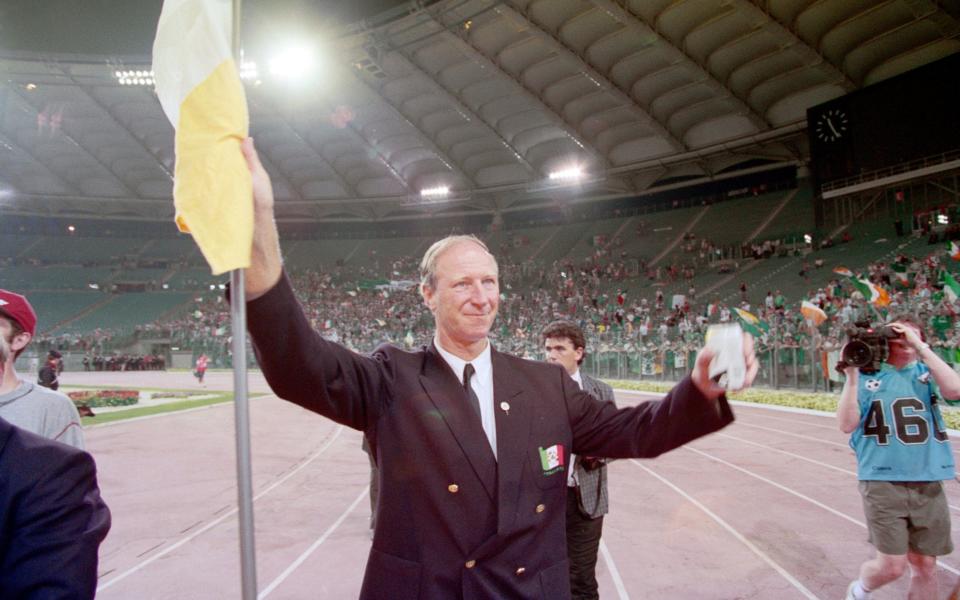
x,y
13,344
900,350
561,351
465,298
5,351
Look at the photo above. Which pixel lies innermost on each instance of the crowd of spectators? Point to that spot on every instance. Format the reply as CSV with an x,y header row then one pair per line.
x,y
620,303
124,362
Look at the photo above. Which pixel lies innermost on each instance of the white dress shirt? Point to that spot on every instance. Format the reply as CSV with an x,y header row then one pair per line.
x,y
482,384
572,480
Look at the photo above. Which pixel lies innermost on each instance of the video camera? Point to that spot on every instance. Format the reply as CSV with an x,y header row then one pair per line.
x,y
867,347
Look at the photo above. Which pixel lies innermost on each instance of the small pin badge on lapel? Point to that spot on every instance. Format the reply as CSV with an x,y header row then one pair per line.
x,y
505,407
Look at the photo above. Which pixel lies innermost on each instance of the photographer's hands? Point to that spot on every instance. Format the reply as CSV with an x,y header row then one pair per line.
x,y
910,336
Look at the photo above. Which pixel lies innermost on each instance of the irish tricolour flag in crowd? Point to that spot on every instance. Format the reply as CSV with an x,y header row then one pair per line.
x,y
812,313
843,271
200,91
873,293
954,251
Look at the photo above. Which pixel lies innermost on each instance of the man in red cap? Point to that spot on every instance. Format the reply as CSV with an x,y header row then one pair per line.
x,y
43,411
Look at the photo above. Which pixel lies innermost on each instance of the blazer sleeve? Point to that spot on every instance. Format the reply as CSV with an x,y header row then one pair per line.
x,y
308,370
646,430
57,523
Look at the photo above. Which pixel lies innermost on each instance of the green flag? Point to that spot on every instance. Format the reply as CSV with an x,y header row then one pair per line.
x,y
751,323
950,286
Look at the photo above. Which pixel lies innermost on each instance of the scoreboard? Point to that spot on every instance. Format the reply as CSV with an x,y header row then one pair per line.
x,y
898,120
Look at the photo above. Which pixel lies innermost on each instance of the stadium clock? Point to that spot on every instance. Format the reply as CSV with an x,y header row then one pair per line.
x,y
831,125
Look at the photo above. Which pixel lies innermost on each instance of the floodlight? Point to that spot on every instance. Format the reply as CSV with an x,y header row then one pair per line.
x,y
569,174
807,238
943,220
294,63
248,70
435,192
138,77
71,228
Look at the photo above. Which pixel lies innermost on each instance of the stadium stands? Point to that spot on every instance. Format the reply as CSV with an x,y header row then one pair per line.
x,y
124,312
605,272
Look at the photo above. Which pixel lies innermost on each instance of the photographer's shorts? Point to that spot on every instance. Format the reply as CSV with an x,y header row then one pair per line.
x,y
904,516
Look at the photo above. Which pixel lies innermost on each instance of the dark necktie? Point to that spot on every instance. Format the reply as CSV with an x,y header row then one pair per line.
x,y
468,372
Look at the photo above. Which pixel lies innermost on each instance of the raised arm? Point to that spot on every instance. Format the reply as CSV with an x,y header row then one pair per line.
x,y
266,263
848,408
947,379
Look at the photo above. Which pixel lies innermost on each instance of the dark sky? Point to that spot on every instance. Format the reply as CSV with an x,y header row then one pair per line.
x,y
127,27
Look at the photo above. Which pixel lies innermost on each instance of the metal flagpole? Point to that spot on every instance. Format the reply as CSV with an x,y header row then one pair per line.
x,y
241,401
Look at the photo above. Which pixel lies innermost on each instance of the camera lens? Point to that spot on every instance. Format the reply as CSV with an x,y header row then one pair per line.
x,y
857,353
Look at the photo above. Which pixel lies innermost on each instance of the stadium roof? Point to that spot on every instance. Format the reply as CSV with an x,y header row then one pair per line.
x,y
482,97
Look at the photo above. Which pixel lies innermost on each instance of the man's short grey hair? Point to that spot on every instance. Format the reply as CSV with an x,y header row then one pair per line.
x,y
428,266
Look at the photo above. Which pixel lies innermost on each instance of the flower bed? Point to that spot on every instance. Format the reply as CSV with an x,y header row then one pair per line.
x,y
155,395
95,398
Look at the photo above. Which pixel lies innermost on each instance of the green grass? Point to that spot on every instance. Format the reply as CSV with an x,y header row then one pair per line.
x,y
143,411
823,401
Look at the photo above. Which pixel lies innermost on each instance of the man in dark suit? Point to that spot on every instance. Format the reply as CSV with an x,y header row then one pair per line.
x,y
53,518
587,500
471,443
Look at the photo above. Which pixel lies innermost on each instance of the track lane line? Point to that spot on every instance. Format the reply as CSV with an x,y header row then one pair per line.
x,y
306,553
614,572
736,534
139,566
809,438
757,414
798,495
804,458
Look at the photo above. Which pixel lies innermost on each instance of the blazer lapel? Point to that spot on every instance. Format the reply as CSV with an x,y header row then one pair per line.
x,y
447,394
514,413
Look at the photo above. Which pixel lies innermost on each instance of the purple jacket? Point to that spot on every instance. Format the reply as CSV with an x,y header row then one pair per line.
x,y
52,518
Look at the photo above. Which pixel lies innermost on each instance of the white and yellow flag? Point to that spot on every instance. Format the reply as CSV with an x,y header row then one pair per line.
x,y
199,87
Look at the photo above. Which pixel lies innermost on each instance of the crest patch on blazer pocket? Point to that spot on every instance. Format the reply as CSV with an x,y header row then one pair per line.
x,y
551,459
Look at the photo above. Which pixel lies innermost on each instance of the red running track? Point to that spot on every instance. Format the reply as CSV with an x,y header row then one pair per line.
x,y
766,509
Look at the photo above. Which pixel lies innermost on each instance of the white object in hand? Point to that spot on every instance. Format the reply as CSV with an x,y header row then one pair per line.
x,y
728,366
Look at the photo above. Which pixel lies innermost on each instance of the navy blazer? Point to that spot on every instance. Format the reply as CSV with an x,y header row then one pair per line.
x,y
453,521
52,518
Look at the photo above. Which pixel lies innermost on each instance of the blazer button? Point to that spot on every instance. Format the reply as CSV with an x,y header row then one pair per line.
x,y
540,508
521,570
453,488
470,564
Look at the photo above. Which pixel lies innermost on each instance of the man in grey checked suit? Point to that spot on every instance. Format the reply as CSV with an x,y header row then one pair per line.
x,y
587,502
